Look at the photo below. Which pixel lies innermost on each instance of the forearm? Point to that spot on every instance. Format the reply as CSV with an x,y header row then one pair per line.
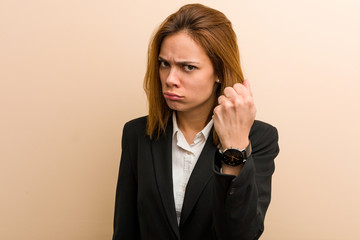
x,y
236,212
241,200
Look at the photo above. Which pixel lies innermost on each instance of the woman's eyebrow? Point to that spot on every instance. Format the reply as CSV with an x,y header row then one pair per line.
x,y
179,62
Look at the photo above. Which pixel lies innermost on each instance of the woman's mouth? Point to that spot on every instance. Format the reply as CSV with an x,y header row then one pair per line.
x,y
172,96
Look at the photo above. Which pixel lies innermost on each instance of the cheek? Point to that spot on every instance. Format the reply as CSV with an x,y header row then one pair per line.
x,y
204,83
162,77
202,90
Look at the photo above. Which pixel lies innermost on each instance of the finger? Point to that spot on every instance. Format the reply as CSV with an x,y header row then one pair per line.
x,y
240,89
221,99
247,85
229,92
216,112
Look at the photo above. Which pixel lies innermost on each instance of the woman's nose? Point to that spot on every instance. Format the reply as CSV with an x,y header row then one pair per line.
x,y
173,77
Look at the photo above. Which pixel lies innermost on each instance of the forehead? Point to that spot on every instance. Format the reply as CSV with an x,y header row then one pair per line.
x,y
180,46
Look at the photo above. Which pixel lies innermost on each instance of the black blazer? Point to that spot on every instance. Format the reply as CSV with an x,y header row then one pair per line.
x,y
216,206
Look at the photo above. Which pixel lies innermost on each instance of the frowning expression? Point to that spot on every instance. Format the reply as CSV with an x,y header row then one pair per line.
x,y
187,76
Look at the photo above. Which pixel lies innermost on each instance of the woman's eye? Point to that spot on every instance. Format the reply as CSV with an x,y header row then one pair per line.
x,y
163,64
189,68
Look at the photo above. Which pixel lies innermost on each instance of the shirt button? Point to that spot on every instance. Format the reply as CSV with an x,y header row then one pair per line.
x,y
232,190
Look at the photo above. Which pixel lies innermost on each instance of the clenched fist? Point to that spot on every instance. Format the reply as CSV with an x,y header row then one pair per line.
x,y
234,116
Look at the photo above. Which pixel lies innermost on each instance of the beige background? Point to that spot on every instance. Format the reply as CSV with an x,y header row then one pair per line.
x,y
71,75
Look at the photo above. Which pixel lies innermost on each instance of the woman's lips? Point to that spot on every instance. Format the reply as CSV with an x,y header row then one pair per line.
x,y
172,96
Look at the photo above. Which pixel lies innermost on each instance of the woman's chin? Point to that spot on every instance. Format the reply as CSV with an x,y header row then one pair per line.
x,y
175,106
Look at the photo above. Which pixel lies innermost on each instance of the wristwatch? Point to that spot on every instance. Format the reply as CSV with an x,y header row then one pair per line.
x,y
234,156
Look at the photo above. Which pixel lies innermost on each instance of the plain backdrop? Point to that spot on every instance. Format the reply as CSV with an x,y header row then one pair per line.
x,y
71,75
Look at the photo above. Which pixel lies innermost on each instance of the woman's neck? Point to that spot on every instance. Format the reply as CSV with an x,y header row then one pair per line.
x,y
191,122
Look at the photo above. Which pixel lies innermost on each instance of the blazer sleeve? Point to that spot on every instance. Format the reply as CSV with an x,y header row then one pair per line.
x,y
240,202
126,224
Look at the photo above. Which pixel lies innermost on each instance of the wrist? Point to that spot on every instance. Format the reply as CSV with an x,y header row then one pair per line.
x,y
233,156
240,144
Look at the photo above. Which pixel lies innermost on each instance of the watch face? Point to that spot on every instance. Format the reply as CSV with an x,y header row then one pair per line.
x,y
233,157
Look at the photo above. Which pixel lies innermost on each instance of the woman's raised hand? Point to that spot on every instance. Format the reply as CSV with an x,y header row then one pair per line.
x,y
234,116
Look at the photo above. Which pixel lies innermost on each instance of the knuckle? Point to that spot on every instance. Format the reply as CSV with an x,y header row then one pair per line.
x,y
247,102
227,105
221,98
227,89
238,102
237,85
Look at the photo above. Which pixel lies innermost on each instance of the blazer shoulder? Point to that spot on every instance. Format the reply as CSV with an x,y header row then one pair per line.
x,y
136,127
137,122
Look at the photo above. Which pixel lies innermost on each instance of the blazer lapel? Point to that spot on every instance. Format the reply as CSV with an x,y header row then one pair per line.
x,y
201,175
162,158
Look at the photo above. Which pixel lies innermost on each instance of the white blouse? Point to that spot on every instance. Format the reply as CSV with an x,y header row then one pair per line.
x,y
184,158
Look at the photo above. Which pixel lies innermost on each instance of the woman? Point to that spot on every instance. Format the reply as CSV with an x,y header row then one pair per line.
x,y
198,166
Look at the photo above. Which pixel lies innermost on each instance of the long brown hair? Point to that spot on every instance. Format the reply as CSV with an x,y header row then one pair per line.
x,y
210,29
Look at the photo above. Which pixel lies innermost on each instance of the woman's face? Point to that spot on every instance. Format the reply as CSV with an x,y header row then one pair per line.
x,y
187,76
